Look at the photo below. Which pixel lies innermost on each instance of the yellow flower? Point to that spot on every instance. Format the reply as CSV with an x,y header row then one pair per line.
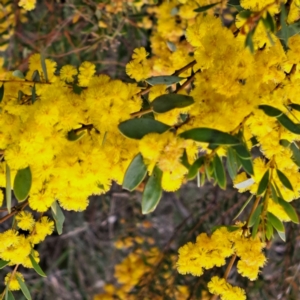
x,y
25,220
67,73
139,54
27,4
12,281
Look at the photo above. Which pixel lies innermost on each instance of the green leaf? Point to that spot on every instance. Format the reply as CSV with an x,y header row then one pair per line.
x,y
3,263
1,92
135,173
295,106
255,227
219,171
270,110
289,124
36,266
235,4
263,184
274,194
289,209
77,89
284,180
282,235
18,73
167,80
244,206
269,22
73,136
10,295
184,160
277,224
8,188
36,76
269,230
255,215
171,46
44,68
284,143
232,163
152,192
206,7
194,169
284,34
138,128
22,184
247,165
165,103
23,287
296,154
58,217
209,135
33,94
249,41
242,151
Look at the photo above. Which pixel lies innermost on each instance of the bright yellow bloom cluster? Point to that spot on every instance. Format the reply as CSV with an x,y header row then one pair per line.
x,y
219,286
27,4
12,281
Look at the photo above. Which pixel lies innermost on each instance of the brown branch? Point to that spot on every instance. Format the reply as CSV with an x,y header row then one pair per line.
x,y
15,210
188,81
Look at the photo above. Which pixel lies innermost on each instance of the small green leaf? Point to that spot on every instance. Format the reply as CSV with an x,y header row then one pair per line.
x,y
171,46
219,171
209,135
3,263
244,14
249,41
284,29
255,227
1,92
284,143
138,128
10,295
270,110
296,154
22,184
58,217
235,4
269,22
284,180
24,288
289,124
274,194
282,235
184,160
36,76
206,7
8,188
255,216
36,266
73,136
77,89
242,151
165,103
244,206
295,106
247,165
263,184
18,73
194,169
135,173
33,94
269,230
289,209
232,163
152,192
167,80
44,68
277,224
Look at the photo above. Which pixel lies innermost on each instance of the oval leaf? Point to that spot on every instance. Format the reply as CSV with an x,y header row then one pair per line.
x,y
167,80
206,7
282,235
22,184
270,110
1,92
247,165
255,216
289,124
194,169
296,154
232,163
165,103
3,263
152,192
289,209
274,194
242,151
263,184
219,171
10,295
36,266
135,173
209,135
295,106
284,180
58,217
73,136
23,288
19,74
138,128
277,224
243,207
